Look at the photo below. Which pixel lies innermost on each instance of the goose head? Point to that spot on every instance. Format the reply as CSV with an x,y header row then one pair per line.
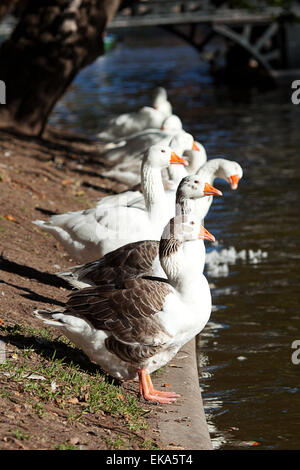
x,y
160,101
190,189
194,187
159,95
231,171
181,142
161,156
180,229
180,258
172,124
196,157
188,228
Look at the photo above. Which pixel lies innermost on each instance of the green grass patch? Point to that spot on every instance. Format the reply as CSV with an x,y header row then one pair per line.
x,y
46,377
22,436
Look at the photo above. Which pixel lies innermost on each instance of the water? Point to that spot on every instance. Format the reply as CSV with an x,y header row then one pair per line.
x,y
250,385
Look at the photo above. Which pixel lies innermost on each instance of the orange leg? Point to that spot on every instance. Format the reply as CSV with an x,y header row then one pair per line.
x,y
148,392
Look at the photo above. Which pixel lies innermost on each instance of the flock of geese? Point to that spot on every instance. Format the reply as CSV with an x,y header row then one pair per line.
x,y
140,293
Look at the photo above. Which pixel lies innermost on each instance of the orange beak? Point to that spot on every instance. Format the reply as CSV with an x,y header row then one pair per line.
x,y
195,146
234,181
175,159
211,191
205,235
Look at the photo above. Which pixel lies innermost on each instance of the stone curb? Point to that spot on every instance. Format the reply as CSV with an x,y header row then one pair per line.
x,y
183,424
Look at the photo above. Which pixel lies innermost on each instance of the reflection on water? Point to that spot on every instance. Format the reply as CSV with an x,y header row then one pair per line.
x,y
250,386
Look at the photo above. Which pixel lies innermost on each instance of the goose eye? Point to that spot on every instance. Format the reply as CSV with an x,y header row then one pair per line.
x,y
163,151
192,223
197,181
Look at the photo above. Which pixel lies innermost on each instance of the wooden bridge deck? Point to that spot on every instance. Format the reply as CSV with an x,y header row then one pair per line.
x,y
166,12
236,17
259,31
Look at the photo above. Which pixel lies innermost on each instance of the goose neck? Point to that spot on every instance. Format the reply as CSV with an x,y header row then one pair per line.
x,y
153,190
183,264
184,206
210,170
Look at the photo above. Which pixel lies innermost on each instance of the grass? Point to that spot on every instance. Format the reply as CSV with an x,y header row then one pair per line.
x,y
22,436
65,383
65,447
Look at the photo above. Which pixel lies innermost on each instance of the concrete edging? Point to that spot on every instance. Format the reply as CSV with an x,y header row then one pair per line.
x,y
183,423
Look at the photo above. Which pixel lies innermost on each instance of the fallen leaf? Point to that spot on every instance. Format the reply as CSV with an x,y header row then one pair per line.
x,y
11,218
73,400
66,182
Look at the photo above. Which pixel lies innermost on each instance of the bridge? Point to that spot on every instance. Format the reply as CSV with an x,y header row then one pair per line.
x,y
262,31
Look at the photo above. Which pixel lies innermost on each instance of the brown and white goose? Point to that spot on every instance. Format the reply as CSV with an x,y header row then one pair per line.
x,y
139,258
138,326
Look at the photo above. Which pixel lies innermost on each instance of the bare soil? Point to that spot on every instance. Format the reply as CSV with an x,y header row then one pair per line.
x,y
38,177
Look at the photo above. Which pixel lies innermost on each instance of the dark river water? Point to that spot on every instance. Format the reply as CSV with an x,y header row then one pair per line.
x,y
251,387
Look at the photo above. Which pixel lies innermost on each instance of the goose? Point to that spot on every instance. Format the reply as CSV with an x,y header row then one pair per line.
x,y
138,258
196,156
229,170
123,150
89,234
137,327
160,101
128,169
193,152
146,117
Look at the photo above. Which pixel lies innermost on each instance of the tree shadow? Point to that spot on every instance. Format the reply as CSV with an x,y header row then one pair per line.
x,y
54,142
31,295
53,348
110,191
32,273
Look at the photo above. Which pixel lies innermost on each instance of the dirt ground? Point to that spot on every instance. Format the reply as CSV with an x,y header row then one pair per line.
x,y
38,177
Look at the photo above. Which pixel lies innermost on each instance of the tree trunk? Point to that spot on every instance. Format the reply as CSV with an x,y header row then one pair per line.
x,y
7,6
51,43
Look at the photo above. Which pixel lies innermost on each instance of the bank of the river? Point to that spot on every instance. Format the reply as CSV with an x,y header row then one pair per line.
x,y
58,400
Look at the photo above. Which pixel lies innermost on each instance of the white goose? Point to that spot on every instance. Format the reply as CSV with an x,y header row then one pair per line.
x,y
195,155
160,101
137,327
229,170
145,118
129,169
139,258
123,150
89,234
